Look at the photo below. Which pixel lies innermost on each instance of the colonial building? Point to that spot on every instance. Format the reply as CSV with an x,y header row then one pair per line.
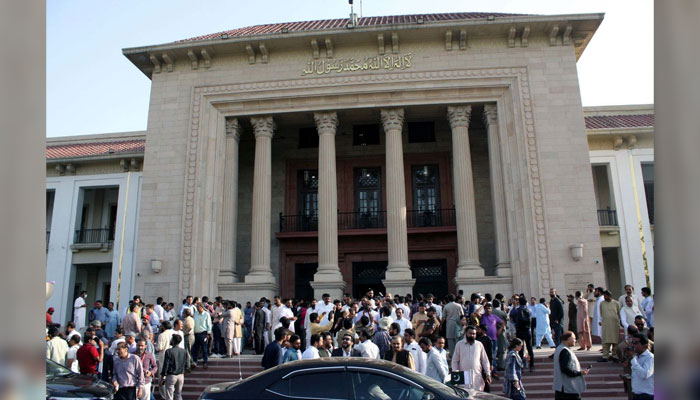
x,y
621,145
422,153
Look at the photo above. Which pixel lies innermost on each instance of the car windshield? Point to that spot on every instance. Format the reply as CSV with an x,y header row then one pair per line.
x,y
55,370
433,385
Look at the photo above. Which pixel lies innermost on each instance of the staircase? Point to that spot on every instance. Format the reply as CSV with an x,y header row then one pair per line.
x,y
603,382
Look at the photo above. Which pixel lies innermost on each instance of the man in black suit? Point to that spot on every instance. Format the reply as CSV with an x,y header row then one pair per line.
x,y
346,349
556,304
259,329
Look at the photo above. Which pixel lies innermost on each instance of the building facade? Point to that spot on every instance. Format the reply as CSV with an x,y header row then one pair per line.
x,y
411,153
621,145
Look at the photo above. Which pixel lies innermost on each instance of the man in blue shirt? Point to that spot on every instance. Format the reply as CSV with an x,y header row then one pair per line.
x,y
274,352
293,353
248,322
202,334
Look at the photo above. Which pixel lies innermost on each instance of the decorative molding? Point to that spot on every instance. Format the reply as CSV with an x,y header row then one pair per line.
x,y
207,55
617,143
392,118
566,36
380,44
233,128
395,43
524,37
462,39
521,91
511,36
193,58
169,59
329,48
265,55
263,126
326,122
458,116
314,49
448,40
490,114
156,63
553,35
251,54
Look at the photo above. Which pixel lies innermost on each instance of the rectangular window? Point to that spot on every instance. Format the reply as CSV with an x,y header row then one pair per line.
x,y
364,135
308,138
421,132
426,187
308,192
648,176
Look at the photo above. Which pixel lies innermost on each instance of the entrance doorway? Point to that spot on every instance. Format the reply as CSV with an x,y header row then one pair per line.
x,y
368,275
303,275
430,276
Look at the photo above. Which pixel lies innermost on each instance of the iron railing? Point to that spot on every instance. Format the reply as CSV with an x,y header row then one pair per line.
x,y
425,218
100,235
368,220
607,217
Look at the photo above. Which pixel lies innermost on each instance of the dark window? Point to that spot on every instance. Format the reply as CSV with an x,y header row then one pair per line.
x,y
421,132
308,192
314,385
112,220
308,138
368,190
370,386
648,176
84,217
426,188
363,135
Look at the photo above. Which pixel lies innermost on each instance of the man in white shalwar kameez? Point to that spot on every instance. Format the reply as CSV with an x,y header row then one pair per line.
x,y
628,312
79,311
470,356
596,329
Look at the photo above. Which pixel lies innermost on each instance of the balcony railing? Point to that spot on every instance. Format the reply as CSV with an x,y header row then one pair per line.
x,y
607,217
368,220
423,218
100,235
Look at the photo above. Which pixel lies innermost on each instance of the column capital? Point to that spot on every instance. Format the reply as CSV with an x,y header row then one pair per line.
x,y
459,116
392,118
490,115
263,126
326,122
233,128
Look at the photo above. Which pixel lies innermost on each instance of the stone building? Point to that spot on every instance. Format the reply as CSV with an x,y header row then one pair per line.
x,y
422,153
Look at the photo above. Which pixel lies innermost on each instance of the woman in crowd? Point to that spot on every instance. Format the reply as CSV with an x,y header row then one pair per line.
x,y
512,376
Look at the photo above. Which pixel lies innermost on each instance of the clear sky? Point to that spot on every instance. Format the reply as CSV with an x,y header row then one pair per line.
x,y
92,88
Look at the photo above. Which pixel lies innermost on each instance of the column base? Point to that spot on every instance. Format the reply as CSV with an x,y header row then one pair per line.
x,y
398,286
228,277
263,275
504,269
243,292
398,272
487,284
334,289
470,270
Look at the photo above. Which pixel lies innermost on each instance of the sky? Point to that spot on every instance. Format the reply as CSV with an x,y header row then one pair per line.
x,y
92,88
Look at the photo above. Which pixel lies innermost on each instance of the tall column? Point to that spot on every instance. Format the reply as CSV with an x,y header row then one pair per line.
x,y
227,273
468,265
328,278
260,271
498,197
398,274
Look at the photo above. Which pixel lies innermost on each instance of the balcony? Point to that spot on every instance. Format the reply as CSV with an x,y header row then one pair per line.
x,y
607,217
369,220
100,238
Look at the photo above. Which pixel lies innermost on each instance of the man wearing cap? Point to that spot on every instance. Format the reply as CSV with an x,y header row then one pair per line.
x,y
381,337
429,303
49,320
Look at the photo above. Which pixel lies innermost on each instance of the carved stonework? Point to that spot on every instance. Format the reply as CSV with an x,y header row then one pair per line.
x,y
326,122
263,126
459,116
233,128
392,118
490,115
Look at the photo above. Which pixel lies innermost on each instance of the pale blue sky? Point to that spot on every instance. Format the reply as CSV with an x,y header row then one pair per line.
x,y
92,88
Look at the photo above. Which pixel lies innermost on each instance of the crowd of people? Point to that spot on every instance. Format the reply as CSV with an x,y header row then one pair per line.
x,y
470,341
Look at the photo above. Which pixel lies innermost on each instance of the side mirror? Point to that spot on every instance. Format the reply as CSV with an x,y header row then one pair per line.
x,y
427,396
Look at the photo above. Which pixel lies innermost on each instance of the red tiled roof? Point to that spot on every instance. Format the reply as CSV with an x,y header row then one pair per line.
x,y
619,121
94,149
342,22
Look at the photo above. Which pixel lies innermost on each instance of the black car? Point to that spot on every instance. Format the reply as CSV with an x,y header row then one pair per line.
x,y
352,378
62,383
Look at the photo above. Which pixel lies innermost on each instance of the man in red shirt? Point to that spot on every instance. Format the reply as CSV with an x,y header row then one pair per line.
x,y
89,357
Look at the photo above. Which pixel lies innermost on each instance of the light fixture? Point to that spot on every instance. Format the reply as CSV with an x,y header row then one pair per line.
x,y
420,20
490,17
285,30
576,251
156,265
224,35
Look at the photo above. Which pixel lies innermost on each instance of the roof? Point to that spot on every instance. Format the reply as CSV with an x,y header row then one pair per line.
x,y
92,149
619,121
343,22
